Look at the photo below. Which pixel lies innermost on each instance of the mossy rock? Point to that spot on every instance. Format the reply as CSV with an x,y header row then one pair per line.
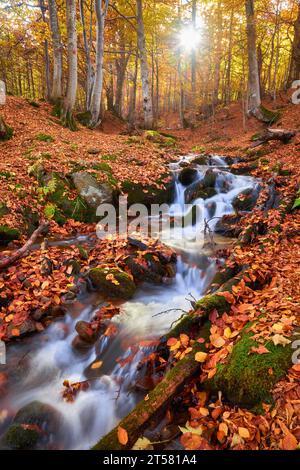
x,y
246,200
58,193
8,234
247,379
162,139
197,191
18,437
269,116
112,282
6,132
138,193
201,160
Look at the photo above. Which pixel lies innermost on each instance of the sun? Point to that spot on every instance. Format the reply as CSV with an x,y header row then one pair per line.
x,y
189,38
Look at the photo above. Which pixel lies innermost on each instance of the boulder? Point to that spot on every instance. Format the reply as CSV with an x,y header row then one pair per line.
x,y
32,427
138,193
228,226
150,267
209,180
187,176
92,192
86,332
198,190
246,200
201,160
112,282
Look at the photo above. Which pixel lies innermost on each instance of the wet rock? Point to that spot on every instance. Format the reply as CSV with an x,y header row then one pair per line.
x,y
211,208
198,190
150,268
201,160
32,427
112,282
246,200
187,176
80,345
93,193
93,151
151,194
209,180
86,332
228,226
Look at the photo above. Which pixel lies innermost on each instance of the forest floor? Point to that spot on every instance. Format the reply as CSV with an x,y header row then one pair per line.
x,y
38,137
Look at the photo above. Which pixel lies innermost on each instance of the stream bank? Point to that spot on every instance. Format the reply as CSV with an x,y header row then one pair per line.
x,y
84,419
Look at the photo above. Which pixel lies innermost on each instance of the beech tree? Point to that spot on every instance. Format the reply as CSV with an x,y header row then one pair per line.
x,y
254,98
70,98
294,72
146,89
56,90
95,105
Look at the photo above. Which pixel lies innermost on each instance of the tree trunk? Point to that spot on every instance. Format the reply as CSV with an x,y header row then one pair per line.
x,y
147,100
193,58
132,102
294,73
70,99
254,102
87,53
95,107
56,90
46,53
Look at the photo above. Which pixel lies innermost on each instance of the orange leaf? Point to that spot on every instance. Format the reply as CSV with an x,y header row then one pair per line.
x,y
289,442
122,436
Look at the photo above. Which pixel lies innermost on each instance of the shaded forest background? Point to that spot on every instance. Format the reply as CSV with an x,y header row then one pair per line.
x,y
179,60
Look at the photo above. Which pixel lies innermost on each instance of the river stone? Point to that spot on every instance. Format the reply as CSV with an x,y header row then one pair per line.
x,y
112,282
228,226
93,193
246,199
86,332
196,191
209,180
31,427
187,176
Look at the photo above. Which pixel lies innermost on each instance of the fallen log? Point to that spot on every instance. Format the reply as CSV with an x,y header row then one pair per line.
x,y
273,134
8,260
135,422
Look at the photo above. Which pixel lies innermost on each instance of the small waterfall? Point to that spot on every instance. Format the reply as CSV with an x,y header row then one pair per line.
x,y
50,356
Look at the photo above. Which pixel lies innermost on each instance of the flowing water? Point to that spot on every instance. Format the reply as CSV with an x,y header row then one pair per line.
x,y
41,363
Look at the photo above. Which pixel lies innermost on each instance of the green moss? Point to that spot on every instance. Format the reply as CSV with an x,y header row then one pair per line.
x,y
18,437
109,158
245,379
120,286
271,117
84,118
57,192
102,166
8,234
41,137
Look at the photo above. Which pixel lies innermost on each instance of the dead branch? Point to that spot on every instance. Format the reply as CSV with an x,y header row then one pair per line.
x,y
8,260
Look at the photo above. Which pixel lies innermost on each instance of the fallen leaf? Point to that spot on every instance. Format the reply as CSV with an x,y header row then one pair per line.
x,y
122,436
200,356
